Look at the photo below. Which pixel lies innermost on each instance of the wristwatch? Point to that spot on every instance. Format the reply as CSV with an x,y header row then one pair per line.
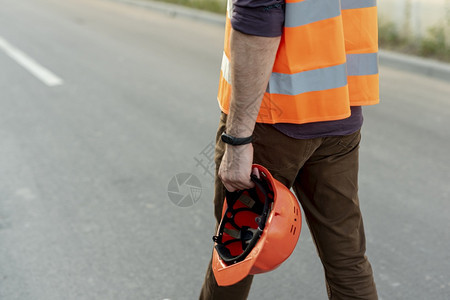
x,y
235,141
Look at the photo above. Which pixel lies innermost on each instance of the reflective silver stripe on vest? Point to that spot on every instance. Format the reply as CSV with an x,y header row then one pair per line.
x,y
308,81
362,64
352,4
316,80
225,68
310,11
229,8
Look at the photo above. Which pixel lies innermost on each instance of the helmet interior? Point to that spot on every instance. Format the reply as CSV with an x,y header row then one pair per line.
x,y
244,220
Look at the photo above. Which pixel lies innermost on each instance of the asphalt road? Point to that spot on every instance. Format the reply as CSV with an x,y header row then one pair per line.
x,y
86,163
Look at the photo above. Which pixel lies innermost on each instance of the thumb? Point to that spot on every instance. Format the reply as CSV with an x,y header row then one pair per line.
x,y
255,172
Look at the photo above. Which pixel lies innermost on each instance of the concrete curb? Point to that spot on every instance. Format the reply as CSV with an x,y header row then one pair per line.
x,y
414,64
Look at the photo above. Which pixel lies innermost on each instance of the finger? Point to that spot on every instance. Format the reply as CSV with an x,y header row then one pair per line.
x,y
237,185
244,185
231,188
256,173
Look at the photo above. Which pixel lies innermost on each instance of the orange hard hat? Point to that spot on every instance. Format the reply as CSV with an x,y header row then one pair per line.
x,y
258,231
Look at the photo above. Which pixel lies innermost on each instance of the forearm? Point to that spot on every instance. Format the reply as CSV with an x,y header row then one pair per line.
x,y
252,59
257,27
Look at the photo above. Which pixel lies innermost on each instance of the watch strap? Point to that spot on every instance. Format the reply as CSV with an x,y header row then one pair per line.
x,y
235,141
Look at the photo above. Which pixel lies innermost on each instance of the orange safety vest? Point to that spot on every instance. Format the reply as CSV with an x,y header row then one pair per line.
x,y
327,61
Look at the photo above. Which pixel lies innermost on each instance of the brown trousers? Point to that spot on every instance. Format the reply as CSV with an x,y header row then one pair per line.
x,y
323,173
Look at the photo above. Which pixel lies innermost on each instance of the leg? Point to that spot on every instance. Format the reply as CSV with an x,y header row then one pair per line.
x,y
210,289
328,191
283,157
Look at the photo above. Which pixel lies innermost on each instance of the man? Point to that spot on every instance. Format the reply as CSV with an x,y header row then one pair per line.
x,y
294,76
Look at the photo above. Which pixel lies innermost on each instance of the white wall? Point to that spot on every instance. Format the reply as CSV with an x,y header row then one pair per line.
x,y
422,14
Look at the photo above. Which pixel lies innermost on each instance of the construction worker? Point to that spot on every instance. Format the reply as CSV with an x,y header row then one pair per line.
x,y
293,79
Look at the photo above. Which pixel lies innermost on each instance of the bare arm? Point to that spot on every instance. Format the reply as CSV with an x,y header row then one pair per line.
x,y
252,59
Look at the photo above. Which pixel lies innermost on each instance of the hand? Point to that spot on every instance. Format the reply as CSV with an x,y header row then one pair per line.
x,y
236,167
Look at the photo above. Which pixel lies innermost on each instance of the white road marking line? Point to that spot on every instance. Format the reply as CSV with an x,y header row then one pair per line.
x,y
30,64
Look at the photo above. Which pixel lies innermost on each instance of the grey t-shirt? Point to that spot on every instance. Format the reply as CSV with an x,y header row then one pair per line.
x,y
266,18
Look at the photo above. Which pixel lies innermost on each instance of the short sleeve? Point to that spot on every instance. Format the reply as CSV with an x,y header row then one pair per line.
x,y
261,18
